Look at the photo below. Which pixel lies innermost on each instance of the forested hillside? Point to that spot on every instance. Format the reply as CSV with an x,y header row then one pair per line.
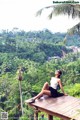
x,y
38,54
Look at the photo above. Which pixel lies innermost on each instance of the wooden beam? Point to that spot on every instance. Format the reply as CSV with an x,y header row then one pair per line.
x,y
50,117
36,114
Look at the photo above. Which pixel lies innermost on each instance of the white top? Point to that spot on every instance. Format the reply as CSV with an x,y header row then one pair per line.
x,y
54,82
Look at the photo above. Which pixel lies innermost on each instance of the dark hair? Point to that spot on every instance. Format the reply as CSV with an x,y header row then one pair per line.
x,y
60,73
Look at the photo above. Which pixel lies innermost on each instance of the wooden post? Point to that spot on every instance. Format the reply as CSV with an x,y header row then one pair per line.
x,y
36,114
50,117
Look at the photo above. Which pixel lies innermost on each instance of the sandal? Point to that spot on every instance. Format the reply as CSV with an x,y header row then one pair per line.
x,y
31,100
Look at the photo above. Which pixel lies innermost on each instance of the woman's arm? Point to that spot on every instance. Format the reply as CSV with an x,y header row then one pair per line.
x,y
60,84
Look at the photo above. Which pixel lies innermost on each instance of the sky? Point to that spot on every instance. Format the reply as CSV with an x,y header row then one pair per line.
x,y
22,14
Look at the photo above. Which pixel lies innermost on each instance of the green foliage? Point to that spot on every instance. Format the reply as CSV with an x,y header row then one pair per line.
x,y
39,54
75,90
24,118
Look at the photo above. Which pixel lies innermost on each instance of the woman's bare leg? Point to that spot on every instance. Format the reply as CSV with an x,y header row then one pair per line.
x,y
46,86
44,91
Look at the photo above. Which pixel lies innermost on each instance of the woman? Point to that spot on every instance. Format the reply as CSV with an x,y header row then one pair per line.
x,y
51,90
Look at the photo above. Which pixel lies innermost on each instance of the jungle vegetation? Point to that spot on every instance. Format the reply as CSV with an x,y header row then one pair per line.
x,y
39,54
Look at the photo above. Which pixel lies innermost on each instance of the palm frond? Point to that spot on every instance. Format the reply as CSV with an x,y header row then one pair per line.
x,y
72,10
39,12
50,15
69,9
74,29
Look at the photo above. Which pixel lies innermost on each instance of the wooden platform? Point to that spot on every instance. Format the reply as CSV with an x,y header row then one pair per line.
x,y
65,107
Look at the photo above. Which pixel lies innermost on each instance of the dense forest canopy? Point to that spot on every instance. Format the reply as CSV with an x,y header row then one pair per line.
x,y
39,54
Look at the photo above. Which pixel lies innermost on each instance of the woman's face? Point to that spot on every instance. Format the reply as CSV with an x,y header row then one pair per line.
x,y
56,73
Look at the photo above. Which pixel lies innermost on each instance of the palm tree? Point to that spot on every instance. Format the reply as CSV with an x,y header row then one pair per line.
x,y
71,9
